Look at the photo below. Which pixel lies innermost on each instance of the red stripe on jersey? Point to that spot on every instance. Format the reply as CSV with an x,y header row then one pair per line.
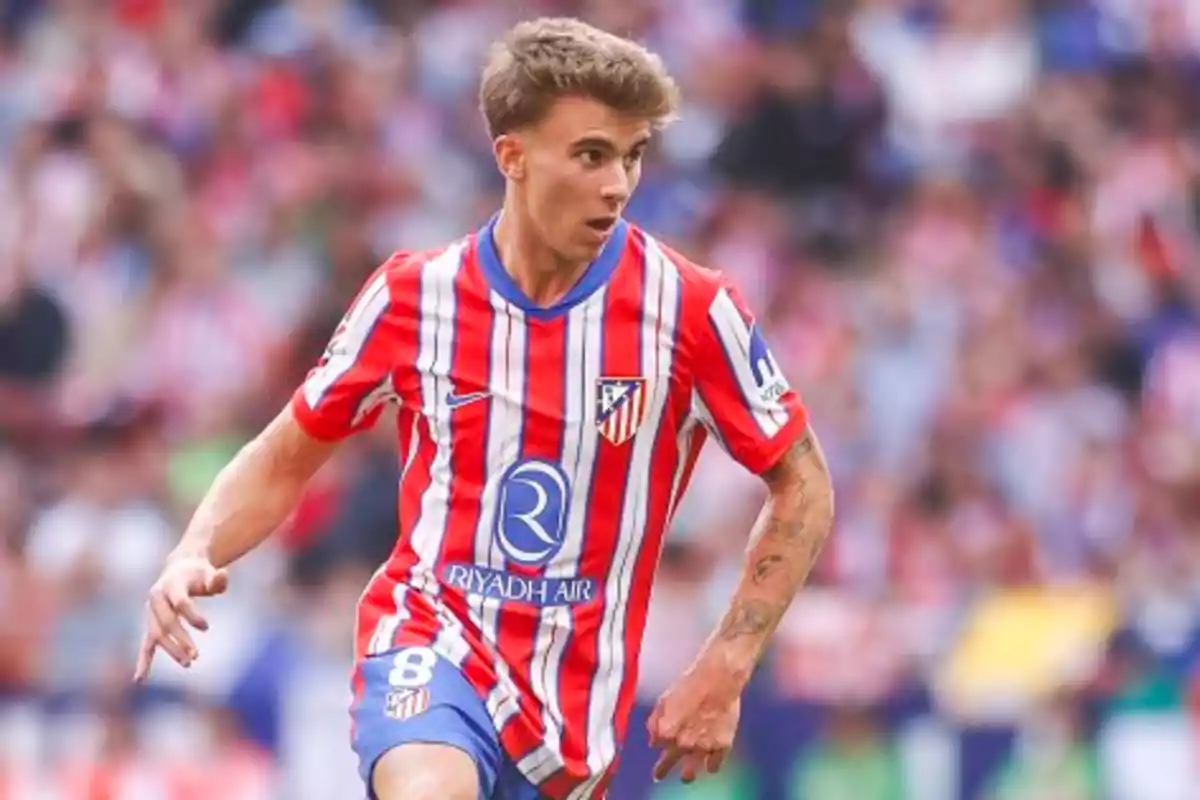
x,y
601,791
470,372
558,785
620,358
541,437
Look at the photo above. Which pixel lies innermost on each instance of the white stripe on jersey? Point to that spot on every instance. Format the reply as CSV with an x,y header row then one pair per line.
x,y
734,336
506,382
658,343
700,411
585,335
433,365
436,384
685,442
348,341
540,763
385,630
587,789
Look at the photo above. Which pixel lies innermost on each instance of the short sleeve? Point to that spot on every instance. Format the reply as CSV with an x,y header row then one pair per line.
x,y
347,389
742,395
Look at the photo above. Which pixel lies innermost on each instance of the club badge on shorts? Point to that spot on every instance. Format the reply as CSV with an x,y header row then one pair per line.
x,y
620,407
406,703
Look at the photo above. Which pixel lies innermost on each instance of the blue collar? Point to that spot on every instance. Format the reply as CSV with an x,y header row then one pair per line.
x,y
595,276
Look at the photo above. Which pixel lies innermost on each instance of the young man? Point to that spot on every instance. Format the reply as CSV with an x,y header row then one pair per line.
x,y
556,374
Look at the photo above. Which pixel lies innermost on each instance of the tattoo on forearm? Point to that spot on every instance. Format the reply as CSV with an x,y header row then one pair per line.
x,y
791,483
749,619
765,566
803,447
786,541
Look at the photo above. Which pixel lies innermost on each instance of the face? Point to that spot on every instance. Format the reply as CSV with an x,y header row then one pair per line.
x,y
575,171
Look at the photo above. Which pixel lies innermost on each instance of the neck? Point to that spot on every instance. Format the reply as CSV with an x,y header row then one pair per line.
x,y
541,274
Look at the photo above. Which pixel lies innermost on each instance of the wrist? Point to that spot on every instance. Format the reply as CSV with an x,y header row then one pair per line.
x,y
185,551
734,661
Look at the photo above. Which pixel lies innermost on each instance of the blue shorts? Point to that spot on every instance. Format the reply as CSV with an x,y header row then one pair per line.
x,y
412,695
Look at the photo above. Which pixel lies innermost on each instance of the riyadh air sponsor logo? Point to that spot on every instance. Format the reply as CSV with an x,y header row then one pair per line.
x,y
531,522
532,517
511,587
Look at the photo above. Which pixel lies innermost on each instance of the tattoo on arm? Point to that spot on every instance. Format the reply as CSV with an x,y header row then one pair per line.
x,y
786,542
748,619
764,566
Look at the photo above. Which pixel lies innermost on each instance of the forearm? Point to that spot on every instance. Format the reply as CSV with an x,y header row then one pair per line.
x,y
784,545
253,494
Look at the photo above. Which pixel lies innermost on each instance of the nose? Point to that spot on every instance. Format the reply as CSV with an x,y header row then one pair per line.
x,y
616,187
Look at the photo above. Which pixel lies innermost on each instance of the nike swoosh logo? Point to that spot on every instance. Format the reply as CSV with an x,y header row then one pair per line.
x,y
456,400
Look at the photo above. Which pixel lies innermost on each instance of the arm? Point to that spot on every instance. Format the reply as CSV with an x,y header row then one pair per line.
x,y
745,400
250,498
696,720
785,543
341,396
254,493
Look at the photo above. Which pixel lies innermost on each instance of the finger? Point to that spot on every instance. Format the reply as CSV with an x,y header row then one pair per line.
x,y
171,635
156,640
145,657
168,621
715,760
690,767
173,648
186,607
667,762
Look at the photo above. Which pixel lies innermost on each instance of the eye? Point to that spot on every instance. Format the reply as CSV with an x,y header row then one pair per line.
x,y
635,157
591,157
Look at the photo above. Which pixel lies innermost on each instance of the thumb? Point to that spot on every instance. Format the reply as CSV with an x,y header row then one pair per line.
x,y
216,581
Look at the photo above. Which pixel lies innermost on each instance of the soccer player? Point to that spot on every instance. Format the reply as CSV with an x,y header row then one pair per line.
x,y
556,374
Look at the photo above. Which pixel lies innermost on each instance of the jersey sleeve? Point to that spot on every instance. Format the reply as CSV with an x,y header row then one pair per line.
x,y
346,391
742,396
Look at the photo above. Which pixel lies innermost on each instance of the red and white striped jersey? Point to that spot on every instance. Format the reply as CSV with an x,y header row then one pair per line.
x,y
543,452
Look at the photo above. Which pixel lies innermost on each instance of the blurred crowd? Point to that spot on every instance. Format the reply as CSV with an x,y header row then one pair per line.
x,y
971,231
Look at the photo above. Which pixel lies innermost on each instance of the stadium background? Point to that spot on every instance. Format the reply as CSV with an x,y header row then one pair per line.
x,y
970,229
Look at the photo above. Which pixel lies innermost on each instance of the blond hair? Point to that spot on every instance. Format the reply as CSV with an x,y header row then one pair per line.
x,y
540,61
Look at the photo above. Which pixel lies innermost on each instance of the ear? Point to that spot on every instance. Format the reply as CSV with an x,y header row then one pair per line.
x,y
509,151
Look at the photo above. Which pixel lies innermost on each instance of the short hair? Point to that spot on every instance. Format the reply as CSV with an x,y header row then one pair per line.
x,y
540,61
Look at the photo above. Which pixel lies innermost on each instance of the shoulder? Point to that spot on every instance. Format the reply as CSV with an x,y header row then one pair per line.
x,y
403,269
699,282
409,263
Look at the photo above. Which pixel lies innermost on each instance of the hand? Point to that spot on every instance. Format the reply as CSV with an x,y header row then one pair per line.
x,y
695,722
182,579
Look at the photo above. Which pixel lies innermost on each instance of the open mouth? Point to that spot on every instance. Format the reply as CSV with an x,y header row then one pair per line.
x,y
602,224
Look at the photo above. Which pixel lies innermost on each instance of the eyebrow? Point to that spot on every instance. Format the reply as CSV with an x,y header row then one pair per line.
x,y
606,144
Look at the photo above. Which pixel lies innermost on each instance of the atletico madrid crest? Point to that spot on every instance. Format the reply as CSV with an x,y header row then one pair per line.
x,y
405,703
620,407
